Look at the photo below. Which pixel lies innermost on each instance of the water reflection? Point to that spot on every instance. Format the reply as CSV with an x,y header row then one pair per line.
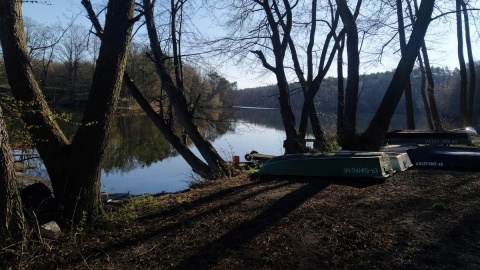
x,y
134,142
139,160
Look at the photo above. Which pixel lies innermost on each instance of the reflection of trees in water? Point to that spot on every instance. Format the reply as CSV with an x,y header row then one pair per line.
x,y
136,142
271,118
214,123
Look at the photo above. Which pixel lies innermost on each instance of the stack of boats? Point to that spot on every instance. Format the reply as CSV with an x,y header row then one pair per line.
x,y
402,150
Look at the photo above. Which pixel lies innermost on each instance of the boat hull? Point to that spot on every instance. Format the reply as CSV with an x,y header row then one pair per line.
x,y
328,165
398,160
428,137
445,156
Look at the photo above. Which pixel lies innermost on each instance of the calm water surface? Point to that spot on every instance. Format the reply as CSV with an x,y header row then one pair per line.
x,y
139,160
173,173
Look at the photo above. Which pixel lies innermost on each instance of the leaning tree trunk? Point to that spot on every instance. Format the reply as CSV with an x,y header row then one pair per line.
x,y
179,102
12,221
375,133
195,163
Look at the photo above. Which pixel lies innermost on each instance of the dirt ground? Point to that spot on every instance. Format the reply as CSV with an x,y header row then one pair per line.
x,y
418,219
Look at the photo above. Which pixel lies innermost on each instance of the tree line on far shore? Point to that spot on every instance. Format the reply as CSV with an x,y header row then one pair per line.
x,y
373,88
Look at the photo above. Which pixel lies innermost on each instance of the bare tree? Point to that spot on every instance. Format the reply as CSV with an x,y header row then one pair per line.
x,y
294,41
42,41
174,86
315,75
73,50
348,137
423,92
432,103
279,39
74,167
373,136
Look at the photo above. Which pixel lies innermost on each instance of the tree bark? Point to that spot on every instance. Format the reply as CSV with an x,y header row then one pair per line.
x,y
12,221
375,133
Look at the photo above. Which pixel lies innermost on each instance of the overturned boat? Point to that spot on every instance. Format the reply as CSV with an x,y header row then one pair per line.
x,y
445,156
399,160
346,164
429,137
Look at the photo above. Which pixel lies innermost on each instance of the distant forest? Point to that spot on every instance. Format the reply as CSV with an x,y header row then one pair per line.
x,y
371,92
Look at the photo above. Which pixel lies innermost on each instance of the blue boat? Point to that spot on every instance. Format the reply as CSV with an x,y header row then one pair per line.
x,y
445,156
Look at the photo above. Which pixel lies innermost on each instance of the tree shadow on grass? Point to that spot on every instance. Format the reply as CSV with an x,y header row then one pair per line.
x,y
357,182
245,232
213,197
180,221
188,215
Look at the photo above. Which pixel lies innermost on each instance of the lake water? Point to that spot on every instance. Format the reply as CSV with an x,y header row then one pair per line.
x,y
139,160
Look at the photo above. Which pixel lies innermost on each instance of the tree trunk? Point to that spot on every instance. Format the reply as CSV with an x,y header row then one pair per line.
x,y
90,141
374,135
423,90
408,85
311,84
74,169
341,94
292,143
471,67
197,165
462,67
179,102
437,121
353,76
12,221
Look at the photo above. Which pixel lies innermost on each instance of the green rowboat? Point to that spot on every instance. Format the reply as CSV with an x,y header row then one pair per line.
x,y
371,165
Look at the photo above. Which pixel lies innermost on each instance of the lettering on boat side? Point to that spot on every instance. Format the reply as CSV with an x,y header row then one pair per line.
x,y
361,170
429,163
441,141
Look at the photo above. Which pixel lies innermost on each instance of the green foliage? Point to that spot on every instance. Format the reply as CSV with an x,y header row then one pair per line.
x,y
130,209
413,250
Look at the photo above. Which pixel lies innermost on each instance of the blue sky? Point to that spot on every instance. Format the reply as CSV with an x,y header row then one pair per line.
x,y
57,10
62,10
